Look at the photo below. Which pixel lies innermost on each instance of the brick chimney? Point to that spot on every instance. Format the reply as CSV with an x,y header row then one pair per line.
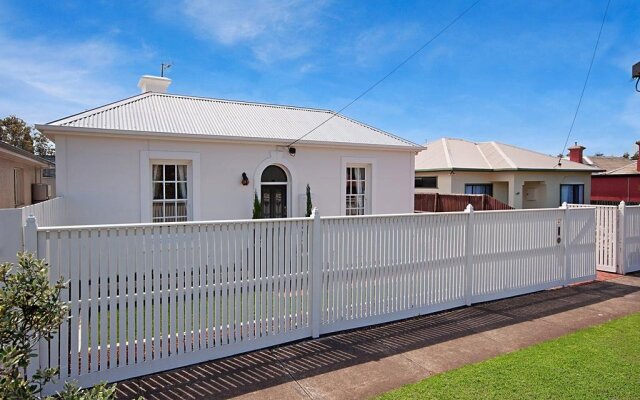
x,y
638,160
575,153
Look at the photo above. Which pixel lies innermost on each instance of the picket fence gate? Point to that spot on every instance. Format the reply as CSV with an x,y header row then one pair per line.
x,y
617,237
144,298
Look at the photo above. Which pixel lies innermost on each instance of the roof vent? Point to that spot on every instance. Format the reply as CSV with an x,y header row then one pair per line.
x,y
154,84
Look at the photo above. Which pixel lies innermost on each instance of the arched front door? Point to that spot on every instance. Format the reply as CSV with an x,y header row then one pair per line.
x,y
274,192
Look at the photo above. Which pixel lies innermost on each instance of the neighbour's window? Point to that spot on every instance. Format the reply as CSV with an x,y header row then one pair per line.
x,y
572,194
18,186
357,195
49,173
170,197
478,188
430,182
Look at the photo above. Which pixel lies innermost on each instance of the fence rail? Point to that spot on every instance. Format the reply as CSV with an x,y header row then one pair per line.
x,y
146,298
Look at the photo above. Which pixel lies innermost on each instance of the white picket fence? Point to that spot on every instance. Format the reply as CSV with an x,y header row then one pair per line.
x,y
150,297
48,213
617,237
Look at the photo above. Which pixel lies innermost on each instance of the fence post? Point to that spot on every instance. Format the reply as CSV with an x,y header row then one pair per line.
x,y
30,235
316,274
563,239
622,253
468,267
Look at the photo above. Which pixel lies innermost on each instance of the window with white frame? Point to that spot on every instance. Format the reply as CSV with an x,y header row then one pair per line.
x,y
170,196
356,193
18,187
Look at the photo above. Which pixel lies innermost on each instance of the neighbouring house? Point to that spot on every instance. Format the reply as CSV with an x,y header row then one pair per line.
x,y
618,181
519,177
21,177
159,157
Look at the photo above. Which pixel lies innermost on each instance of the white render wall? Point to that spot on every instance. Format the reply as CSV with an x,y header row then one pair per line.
x,y
100,177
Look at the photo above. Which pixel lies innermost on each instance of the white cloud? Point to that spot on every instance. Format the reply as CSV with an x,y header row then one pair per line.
x,y
43,79
273,30
65,72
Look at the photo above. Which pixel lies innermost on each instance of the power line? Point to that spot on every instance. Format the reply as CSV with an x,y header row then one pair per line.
x,y
397,67
586,80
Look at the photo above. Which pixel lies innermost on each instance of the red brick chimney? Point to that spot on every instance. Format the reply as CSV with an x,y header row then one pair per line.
x,y
638,160
575,153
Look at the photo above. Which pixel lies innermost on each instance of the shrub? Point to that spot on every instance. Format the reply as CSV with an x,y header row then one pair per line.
x,y
309,203
30,311
257,207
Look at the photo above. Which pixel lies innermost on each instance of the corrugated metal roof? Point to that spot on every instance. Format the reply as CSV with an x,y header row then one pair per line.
x,y
174,114
612,165
460,154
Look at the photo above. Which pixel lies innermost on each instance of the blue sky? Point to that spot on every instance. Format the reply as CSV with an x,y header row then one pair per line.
x,y
510,71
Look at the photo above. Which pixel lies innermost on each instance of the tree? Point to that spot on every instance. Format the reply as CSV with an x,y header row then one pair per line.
x,y
625,155
16,132
41,145
599,154
309,203
634,156
30,311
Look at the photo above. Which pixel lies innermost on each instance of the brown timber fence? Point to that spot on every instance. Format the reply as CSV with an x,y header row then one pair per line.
x,y
435,202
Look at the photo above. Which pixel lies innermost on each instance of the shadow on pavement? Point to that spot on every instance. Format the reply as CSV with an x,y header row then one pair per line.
x,y
249,372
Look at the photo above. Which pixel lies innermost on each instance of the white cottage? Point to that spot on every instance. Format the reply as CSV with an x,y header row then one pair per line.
x,y
159,157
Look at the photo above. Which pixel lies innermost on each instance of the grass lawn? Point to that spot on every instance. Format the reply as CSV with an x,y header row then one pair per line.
x,y
601,362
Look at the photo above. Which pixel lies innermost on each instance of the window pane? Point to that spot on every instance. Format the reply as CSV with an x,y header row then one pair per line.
x,y
182,173
157,191
580,194
182,209
273,173
266,203
169,172
169,210
158,210
478,189
157,172
182,190
566,194
426,182
170,190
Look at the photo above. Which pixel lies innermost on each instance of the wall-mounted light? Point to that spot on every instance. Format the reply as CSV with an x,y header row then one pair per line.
x,y
292,151
245,179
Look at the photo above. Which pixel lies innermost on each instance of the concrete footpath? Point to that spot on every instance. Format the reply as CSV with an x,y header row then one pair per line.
x,y
366,362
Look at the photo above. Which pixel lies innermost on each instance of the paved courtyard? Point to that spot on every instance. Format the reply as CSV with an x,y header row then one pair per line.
x,y
366,362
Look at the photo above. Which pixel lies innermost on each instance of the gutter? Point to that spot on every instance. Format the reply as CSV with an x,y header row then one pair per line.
x,y
52,130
